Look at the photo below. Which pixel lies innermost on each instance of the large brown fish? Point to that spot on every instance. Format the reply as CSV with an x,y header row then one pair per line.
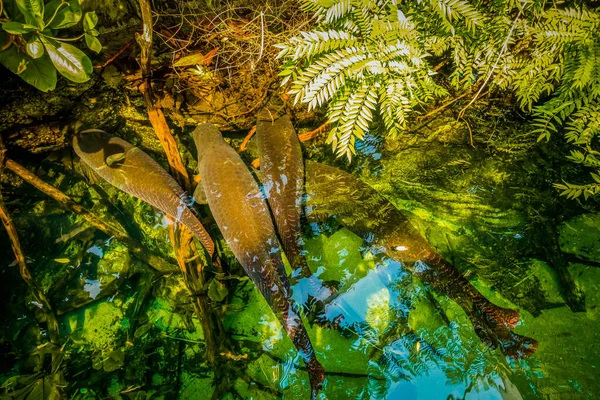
x,y
282,176
358,207
241,212
131,170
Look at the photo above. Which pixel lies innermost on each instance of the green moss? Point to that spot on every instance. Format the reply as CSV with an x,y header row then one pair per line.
x,y
340,256
581,236
162,315
424,316
567,358
96,325
194,387
588,279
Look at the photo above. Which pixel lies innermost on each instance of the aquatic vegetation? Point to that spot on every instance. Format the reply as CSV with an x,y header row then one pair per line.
x,y
142,312
31,47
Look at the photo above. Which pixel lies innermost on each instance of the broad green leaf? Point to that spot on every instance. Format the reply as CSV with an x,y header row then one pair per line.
x,y
68,14
17,28
39,73
93,43
217,291
71,62
35,48
89,21
33,11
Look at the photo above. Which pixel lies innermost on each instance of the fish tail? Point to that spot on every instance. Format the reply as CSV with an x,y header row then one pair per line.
x,y
194,225
517,346
316,372
296,331
444,275
496,335
316,375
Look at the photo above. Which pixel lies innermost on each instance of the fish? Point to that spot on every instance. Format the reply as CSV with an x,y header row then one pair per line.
x,y
241,212
333,193
282,177
131,170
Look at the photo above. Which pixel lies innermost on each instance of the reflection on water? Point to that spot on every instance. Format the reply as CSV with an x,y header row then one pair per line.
x,y
384,312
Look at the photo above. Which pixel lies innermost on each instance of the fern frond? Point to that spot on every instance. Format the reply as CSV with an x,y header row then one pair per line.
x,y
353,113
315,43
451,10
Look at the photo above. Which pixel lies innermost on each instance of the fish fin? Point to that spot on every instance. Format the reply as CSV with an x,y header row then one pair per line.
x,y
200,194
114,159
89,173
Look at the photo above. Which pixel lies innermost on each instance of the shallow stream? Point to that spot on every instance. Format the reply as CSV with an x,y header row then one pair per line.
x,y
130,332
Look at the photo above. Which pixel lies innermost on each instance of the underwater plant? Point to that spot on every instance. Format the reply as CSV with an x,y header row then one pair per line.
x,y
31,48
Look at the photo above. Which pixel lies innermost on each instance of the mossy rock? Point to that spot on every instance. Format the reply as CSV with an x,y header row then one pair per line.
x,y
337,258
194,387
567,357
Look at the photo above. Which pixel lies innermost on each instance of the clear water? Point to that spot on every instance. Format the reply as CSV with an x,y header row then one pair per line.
x,y
128,332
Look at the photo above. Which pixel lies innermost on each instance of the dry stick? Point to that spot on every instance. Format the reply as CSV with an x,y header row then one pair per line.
x,y
26,275
155,113
114,57
110,228
314,133
186,251
247,138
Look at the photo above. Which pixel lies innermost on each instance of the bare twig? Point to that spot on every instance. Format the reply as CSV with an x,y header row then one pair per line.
x,y
155,113
443,106
114,57
189,257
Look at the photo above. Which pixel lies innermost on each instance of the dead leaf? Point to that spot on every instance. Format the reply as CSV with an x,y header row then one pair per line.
x,y
196,59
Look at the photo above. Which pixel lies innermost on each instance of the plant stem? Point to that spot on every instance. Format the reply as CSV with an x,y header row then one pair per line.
x,y
56,13
67,39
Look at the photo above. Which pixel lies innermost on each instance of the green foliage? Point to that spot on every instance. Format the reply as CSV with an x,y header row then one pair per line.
x,y
583,130
371,57
34,52
368,57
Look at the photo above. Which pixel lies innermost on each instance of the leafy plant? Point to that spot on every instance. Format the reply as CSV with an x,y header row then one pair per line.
x,y
371,57
377,58
582,130
32,49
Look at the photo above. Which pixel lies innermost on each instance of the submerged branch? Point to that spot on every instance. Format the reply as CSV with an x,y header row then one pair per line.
x,y
39,295
112,228
189,256
572,258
